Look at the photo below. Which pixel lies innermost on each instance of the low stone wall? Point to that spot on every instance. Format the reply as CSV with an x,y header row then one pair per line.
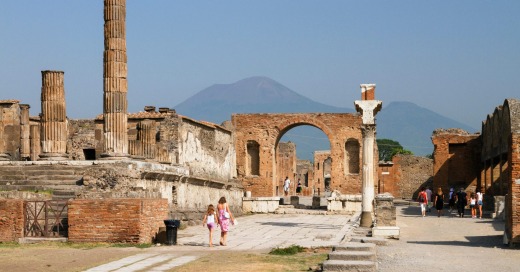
x,y
11,219
116,220
344,203
385,213
260,204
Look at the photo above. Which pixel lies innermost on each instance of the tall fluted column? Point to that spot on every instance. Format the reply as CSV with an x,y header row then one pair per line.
x,y
368,107
53,117
115,84
25,144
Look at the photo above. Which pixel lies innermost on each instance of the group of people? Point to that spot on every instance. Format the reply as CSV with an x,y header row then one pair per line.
x,y
222,218
459,199
287,186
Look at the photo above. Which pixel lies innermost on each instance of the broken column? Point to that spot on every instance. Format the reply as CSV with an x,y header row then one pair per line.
x,y
368,107
53,118
115,84
25,144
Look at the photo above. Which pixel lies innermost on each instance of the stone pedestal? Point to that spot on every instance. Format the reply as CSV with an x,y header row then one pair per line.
x,y
115,86
53,119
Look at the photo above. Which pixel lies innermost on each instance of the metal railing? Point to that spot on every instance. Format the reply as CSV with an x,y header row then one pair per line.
x,y
46,218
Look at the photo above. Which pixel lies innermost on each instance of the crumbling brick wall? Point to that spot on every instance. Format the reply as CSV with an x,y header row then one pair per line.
x,y
513,217
412,173
116,220
11,219
456,159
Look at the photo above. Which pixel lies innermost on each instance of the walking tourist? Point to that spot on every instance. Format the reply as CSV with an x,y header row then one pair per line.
x,y
225,218
299,187
452,199
423,201
210,221
472,205
480,201
462,201
439,202
429,195
286,185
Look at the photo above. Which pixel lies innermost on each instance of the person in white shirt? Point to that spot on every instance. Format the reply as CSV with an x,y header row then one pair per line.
x,y
286,185
480,199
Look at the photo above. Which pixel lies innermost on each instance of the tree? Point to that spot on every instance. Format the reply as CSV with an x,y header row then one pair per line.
x,y
389,148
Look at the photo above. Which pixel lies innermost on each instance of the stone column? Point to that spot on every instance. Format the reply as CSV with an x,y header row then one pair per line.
x,y
25,144
146,135
115,86
35,142
53,117
368,107
3,155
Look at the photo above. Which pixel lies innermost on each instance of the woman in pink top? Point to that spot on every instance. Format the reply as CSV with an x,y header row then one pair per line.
x,y
224,215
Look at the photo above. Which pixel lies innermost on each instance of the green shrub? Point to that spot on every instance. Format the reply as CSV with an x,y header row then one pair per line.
x,y
291,250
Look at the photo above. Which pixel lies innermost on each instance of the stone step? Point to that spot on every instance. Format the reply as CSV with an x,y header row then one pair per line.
x,y
40,187
374,240
42,182
352,246
352,255
358,266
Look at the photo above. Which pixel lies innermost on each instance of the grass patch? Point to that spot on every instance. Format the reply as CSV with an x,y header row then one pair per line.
x,y
308,260
284,251
145,245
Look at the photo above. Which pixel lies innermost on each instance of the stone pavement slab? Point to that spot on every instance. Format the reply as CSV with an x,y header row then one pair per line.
x,y
256,233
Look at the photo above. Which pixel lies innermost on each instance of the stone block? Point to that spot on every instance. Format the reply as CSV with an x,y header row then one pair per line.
x,y
340,265
386,232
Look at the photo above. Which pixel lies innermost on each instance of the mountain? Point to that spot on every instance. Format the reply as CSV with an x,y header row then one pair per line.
x,y
412,126
405,122
251,95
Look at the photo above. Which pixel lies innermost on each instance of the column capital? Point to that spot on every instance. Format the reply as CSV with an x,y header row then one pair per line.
x,y
368,110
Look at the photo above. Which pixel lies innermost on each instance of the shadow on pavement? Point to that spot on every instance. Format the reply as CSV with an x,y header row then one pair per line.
x,y
301,225
490,241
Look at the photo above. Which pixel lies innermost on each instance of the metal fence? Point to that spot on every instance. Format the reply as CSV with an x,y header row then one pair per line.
x,y
46,218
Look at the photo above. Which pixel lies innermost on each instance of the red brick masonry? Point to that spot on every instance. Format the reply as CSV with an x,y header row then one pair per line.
x,y
11,219
116,220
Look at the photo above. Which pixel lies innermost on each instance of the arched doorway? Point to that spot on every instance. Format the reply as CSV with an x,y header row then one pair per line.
x,y
265,132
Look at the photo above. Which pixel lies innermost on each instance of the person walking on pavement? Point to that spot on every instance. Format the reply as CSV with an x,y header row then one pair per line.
x,y
210,220
286,186
480,199
452,199
299,187
439,202
472,205
429,195
224,217
462,200
423,201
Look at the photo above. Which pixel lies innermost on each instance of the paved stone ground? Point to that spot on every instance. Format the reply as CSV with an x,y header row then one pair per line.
x,y
447,243
254,233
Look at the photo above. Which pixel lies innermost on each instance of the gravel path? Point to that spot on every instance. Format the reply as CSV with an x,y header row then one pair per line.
x,y
447,243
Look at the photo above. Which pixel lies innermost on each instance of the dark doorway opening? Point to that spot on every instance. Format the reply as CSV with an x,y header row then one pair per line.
x,y
90,154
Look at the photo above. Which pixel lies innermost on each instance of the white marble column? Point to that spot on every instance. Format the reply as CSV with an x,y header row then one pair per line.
x,y
368,110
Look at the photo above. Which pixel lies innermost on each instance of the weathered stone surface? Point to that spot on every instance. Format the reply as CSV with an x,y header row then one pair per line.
x,y
266,129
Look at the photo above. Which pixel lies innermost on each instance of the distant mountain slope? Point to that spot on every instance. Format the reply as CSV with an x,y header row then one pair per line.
x,y
405,122
251,95
412,126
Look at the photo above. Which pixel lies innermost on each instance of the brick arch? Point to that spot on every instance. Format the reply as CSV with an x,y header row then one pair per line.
x,y
267,130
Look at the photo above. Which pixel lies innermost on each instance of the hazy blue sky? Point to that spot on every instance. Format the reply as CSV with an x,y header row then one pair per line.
x,y
458,58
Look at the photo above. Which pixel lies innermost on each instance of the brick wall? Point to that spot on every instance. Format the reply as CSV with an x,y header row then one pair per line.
x,y
116,220
11,219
